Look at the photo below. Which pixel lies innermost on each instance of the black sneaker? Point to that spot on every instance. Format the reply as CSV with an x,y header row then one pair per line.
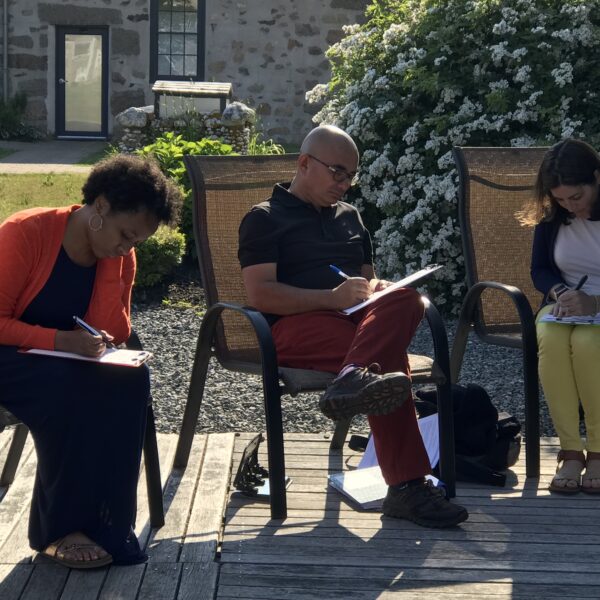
x,y
423,504
364,391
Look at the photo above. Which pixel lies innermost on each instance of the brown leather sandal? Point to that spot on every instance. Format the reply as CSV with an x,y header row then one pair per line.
x,y
570,465
59,552
592,472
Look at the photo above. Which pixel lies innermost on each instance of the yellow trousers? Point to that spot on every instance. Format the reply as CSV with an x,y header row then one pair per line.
x,y
569,367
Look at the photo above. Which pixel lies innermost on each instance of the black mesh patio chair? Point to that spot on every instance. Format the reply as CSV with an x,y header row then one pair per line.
x,y
224,189
151,458
494,185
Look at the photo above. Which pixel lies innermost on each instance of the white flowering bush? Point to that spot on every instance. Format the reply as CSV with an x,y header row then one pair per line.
x,y
423,75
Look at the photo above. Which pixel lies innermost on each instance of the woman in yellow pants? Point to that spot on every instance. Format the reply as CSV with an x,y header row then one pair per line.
x,y
565,267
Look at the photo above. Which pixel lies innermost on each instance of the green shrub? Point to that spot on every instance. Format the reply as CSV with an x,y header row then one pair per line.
x,y
169,150
158,256
12,120
423,75
258,145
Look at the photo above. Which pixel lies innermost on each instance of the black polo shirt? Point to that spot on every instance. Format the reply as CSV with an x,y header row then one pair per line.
x,y
304,241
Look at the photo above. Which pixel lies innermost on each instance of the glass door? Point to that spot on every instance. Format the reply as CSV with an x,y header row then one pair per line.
x,y
81,82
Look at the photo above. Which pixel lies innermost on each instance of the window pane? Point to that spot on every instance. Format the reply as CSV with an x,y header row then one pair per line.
x,y
164,5
179,5
191,44
190,66
164,65
164,21
191,22
164,43
177,21
191,5
176,65
177,44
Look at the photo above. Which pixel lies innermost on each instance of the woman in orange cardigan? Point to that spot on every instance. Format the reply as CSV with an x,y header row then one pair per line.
x,y
87,420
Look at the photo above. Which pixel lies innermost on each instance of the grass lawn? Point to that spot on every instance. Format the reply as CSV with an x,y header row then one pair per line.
x,y
20,191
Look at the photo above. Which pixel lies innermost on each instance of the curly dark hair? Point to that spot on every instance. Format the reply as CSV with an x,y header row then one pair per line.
x,y
130,184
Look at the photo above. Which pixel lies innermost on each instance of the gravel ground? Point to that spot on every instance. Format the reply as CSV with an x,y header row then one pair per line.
x,y
233,402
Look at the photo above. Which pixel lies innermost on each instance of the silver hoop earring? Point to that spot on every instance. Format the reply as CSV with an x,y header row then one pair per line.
x,y
95,226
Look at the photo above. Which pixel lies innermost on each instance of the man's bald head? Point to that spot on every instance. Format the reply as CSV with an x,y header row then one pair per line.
x,y
329,138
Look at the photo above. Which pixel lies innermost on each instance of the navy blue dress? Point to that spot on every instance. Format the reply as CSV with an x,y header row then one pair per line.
x,y
87,421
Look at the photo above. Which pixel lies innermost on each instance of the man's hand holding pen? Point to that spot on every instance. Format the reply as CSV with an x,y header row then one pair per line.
x,y
352,291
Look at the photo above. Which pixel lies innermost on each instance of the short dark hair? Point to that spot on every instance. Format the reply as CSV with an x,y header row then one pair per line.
x,y
131,184
570,162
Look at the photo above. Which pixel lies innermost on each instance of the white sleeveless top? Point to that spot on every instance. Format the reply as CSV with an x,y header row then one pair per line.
x,y
577,253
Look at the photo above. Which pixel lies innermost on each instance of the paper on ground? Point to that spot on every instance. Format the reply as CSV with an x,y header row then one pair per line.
x,y
428,426
406,281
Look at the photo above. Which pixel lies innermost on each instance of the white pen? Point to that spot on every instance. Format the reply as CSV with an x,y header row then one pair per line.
x,y
81,323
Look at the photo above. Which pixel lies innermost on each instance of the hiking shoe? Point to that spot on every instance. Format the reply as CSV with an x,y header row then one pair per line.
x,y
364,391
423,504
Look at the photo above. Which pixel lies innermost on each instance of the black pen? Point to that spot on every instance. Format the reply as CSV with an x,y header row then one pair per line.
x,y
81,323
581,282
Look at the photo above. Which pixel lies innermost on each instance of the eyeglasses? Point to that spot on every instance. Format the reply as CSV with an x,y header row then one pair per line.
x,y
339,175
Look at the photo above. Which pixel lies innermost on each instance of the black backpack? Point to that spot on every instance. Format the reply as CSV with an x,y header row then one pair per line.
x,y
486,442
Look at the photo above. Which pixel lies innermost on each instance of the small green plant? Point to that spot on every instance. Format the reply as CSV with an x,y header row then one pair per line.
x,y
199,311
12,120
158,256
258,145
48,180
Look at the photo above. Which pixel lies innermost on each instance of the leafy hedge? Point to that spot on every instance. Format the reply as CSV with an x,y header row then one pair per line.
x,y
169,150
423,75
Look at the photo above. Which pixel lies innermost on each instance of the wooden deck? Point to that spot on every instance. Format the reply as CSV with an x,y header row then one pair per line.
x,y
518,543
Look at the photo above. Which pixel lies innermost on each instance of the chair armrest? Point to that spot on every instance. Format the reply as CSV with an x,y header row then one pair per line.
x,y
466,319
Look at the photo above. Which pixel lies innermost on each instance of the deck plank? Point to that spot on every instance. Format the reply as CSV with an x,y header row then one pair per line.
x,y
206,516
165,544
519,543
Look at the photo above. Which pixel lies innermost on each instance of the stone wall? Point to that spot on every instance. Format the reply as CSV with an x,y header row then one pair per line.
x,y
273,52
32,51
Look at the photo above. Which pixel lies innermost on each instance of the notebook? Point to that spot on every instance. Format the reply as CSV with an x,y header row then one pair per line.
x,y
112,356
405,282
580,320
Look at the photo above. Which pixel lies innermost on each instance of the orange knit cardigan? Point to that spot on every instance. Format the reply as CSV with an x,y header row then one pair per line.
x,y
30,241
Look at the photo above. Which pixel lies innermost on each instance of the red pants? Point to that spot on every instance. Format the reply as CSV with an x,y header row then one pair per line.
x,y
381,332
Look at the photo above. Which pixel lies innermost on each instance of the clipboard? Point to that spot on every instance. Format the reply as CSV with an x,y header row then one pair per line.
x,y
122,357
404,282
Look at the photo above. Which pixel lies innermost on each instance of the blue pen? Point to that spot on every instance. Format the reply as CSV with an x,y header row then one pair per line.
x,y
81,323
339,272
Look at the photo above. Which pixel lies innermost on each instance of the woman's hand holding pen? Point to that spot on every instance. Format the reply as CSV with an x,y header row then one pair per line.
x,y
574,303
352,291
79,341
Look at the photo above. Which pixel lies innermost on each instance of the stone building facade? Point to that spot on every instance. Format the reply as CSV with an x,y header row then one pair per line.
x,y
272,51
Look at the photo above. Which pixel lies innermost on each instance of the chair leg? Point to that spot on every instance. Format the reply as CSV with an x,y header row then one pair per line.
x,y
152,468
447,468
339,435
14,454
275,449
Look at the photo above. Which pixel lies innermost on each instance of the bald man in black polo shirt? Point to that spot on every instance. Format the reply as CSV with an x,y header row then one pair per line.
x,y
287,245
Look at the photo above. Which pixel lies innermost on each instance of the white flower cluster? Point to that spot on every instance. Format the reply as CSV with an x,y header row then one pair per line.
x,y
448,77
